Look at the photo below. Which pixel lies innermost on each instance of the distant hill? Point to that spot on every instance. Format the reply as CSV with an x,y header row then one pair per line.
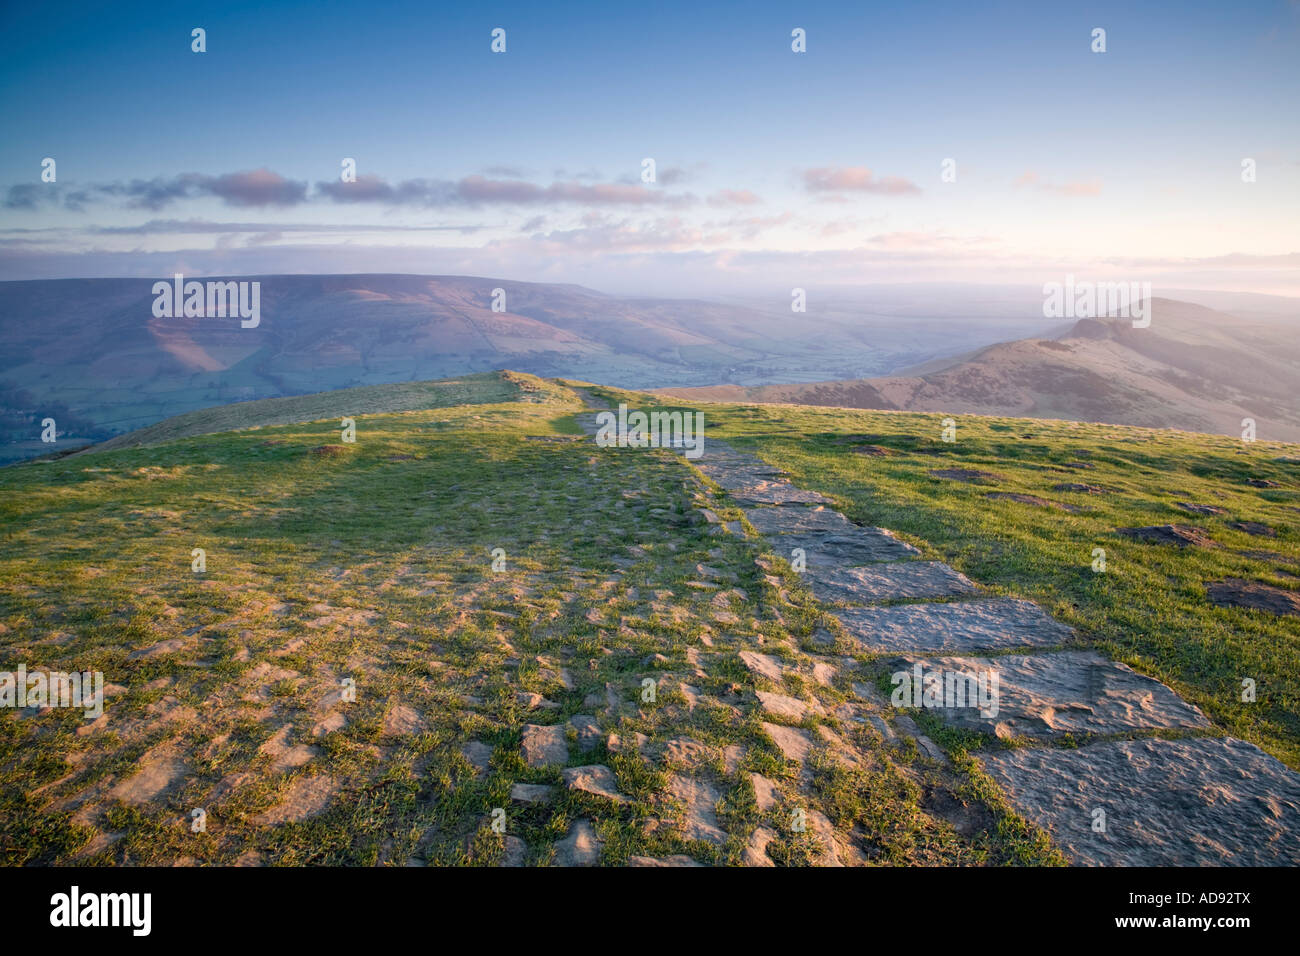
x,y
1194,368
91,354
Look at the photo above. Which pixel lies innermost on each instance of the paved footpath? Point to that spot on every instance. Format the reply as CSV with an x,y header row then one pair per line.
x,y
1126,797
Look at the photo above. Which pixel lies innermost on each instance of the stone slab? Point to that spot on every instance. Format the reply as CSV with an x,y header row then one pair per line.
x,y
899,580
828,539
1199,802
1047,695
955,627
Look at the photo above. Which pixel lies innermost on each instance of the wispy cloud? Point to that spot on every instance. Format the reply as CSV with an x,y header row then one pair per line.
x,y
849,179
734,197
1031,179
480,190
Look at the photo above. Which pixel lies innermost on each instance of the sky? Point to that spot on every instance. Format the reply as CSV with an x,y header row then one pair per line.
x,y
774,169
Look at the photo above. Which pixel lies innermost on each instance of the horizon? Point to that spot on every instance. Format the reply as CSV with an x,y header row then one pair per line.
x,y
789,170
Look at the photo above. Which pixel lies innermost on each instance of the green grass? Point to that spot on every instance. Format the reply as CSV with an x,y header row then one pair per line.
x,y
485,387
373,560
1149,608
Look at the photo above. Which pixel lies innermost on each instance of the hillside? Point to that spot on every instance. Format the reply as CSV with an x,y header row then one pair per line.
x,y
484,388
1194,369
91,354
500,593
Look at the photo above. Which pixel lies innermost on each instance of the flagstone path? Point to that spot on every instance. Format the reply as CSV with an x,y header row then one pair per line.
x,y
1088,766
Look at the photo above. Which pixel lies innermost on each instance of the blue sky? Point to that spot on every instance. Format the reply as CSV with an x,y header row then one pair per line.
x,y
774,167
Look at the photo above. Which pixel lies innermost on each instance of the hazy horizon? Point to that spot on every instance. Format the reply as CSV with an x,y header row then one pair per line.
x,y
901,146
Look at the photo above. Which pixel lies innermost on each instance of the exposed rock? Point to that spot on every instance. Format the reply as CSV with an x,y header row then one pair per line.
x,y
531,701
755,853
532,793
824,833
1182,535
1253,527
880,726
779,705
766,793
543,745
157,650
1200,802
823,673
307,797
732,755
961,626
401,721
827,537
589,732
333,722
762,665
700,798
683,752
1201,509
155,774
595,779
887,582
1077,692
285,757
795,744
1234,592
516,850
581,847
616,744
479,755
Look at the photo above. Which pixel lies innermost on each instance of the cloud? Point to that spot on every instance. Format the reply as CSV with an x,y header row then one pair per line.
x,y
839,179
264,187
29,195
201,226
418,192
258,187
1030,178
261,187
920,241
733,197
480,190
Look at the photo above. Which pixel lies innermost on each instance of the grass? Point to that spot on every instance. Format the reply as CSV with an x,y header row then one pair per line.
x,y
373,561
1149,607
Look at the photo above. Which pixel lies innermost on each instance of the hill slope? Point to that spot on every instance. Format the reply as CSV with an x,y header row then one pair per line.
x,y
482,389
1193,369
499,591
90,353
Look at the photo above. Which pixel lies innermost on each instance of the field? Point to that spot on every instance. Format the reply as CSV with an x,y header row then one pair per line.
x,y
595,692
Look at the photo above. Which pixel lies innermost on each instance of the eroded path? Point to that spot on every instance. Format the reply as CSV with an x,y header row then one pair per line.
x,y
474,638
1150,784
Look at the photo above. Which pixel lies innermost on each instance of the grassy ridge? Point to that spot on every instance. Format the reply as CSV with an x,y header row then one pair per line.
x,y
1149,609
486,387
372,560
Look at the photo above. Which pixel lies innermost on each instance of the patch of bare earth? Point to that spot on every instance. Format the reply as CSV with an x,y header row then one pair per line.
x,y
1182,535
1234,592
